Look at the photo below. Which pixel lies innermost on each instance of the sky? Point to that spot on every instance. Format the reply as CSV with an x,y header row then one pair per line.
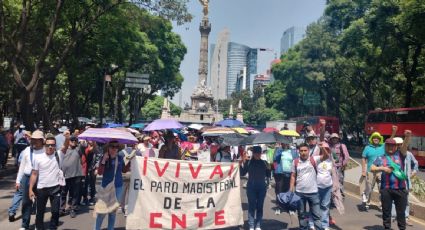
x,y
255,23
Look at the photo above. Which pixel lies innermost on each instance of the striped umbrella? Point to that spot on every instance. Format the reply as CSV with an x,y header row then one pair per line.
x,y
217,131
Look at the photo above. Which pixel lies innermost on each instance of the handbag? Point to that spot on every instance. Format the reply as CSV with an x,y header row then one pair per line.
x,y
106,197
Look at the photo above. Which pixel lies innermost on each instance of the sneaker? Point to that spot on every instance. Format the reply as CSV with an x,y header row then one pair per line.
x,y
364,198
11,218
408,222
92,201
257,228
366,207
85,202
72,214
291,213
251,228
277,211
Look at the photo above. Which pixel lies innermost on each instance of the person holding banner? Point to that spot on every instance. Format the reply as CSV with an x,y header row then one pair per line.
x,y
258,181
107,169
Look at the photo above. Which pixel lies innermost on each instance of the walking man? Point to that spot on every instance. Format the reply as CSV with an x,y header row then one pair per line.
x,y
90,159
73,172
46,173
374,150
304,183
393,181
283,159
23,178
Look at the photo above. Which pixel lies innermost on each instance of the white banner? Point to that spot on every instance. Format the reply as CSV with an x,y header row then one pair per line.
x,y
172,194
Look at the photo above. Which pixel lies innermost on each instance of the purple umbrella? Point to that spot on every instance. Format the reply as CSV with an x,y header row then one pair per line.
x,y
105,135
163,124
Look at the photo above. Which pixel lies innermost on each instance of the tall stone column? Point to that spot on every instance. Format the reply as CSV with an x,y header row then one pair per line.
x,y
205,29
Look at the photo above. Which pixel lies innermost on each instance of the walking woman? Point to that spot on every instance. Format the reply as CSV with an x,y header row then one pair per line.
x,y
258,180
111,174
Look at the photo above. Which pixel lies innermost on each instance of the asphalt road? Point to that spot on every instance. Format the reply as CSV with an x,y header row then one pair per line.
x,y
353,219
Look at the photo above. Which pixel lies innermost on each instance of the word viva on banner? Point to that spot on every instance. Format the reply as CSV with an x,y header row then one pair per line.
x,y
174,194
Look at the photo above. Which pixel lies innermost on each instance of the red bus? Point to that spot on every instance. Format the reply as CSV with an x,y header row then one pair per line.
x,y
332,123
405,118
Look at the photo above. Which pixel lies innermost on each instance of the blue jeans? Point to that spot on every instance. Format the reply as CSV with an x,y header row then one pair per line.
x,y
26,202
325,201
16,201
256,192
111,216
313,201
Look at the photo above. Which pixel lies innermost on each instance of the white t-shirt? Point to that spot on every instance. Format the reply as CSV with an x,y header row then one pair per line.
x,y
48,170
26,165
306,181
324,174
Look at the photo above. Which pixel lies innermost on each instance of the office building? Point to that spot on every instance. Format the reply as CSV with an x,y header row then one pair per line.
x,y
290,38
239,57
218,66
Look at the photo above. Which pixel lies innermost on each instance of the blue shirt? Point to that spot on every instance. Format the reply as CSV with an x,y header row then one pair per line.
x,y
108,173
371,152
390,181
284,160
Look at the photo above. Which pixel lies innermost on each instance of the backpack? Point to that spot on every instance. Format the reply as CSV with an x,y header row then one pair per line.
x,y
288,201
312,161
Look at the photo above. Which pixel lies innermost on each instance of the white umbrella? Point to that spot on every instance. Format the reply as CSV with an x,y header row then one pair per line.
x,y
196,126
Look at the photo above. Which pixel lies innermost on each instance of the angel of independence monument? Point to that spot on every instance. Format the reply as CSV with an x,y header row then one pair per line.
x,y
201,110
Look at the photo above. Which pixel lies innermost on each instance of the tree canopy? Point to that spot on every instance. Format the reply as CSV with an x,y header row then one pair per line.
x,y
359,56
54,48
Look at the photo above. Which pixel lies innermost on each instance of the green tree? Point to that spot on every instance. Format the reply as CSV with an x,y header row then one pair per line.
x,y
32,32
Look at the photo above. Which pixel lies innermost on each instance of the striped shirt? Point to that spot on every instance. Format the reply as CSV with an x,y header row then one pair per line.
x,y
390,181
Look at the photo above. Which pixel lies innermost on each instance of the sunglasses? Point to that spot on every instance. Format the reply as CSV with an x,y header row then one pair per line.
x,y
114,147
50,145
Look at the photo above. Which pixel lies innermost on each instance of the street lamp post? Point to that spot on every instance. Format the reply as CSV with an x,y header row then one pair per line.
x,y
103,99
107,77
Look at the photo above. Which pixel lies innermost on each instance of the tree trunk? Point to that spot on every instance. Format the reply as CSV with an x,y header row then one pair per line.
x,y
411,76
72,100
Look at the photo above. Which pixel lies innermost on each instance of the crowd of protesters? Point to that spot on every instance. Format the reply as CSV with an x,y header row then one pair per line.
x,y
63,169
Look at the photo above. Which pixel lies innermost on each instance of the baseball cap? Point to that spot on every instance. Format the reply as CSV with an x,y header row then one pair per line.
x,y
398,140
63,129
390,141
22,126
311,134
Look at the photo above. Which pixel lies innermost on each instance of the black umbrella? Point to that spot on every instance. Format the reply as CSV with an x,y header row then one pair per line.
x,y
265,138
231,139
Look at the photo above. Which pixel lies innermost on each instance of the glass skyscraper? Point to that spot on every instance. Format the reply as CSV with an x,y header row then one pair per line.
x,y
290,38
238,57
